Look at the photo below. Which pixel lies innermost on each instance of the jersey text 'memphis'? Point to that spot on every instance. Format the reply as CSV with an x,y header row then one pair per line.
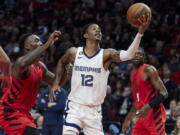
x,y
87,69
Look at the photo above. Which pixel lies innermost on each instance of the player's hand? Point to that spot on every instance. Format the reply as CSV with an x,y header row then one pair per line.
x,y
51,93
144,20
142,113
53,38
126,126
134,120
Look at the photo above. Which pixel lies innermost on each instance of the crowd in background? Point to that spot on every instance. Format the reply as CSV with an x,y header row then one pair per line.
x,y
161,43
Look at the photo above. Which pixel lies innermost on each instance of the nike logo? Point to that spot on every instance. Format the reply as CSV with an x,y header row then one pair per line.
x,y
79,57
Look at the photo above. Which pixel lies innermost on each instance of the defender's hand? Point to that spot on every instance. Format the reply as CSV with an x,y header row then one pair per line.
x,y
53,38
51,93
126,126
142,113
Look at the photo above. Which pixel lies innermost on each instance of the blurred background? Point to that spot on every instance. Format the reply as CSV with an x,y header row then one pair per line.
x,y
161,43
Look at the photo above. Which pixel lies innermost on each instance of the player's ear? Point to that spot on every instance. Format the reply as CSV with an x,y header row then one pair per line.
x,y
85,35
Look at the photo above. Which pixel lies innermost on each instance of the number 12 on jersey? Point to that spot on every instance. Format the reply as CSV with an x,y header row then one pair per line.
x,y
87,80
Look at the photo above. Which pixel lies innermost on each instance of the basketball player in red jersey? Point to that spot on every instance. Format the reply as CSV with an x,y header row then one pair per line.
x,y
27,75
148,94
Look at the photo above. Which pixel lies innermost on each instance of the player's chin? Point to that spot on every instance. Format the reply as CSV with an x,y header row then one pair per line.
x,y
98,39
136,62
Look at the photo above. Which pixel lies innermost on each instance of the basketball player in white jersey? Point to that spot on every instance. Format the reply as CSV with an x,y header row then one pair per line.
x,y
89,79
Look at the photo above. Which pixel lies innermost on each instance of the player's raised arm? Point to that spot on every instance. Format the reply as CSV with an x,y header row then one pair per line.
x,y
124,55
23,62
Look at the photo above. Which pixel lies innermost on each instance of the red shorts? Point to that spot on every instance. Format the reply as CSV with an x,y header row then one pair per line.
x,y
153,124
14,122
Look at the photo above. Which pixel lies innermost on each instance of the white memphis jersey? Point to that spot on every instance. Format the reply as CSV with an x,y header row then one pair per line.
x,y
89,79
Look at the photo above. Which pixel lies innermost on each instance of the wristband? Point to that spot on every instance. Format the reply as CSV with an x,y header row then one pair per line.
x,y
155,102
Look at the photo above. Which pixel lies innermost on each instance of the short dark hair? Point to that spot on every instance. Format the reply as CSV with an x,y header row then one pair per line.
x,y
23,39
84,30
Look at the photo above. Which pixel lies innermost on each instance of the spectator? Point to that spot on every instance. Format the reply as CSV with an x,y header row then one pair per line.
x,y
40,120
52,111
176,130
126,102
170,113
170,85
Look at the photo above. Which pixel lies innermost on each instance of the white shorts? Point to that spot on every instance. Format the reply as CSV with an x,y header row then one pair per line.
x,y
80,117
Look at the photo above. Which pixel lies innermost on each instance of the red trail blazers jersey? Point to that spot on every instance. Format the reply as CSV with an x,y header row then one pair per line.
x,y
143,92
18,100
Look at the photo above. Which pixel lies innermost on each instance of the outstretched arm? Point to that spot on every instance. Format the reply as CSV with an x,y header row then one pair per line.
x,y
22,63
124,55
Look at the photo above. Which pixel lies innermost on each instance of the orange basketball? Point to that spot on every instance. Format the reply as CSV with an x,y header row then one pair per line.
x,y
136,11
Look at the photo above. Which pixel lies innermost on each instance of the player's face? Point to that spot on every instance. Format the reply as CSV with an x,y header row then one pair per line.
x,y
138,58
32,43
94,32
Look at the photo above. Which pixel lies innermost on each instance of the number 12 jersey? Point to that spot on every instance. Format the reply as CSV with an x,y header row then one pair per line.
x,y
89,79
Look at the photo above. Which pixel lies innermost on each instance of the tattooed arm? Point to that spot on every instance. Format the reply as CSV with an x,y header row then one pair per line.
x,y
21,65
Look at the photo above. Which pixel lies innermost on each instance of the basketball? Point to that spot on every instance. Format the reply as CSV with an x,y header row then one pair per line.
x,y
136,11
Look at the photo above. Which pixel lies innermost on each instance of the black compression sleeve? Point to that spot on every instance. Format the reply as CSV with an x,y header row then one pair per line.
x,y
155,102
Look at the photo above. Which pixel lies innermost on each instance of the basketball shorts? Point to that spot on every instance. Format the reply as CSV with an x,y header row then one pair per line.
x,y
14,122
82,118
153,124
